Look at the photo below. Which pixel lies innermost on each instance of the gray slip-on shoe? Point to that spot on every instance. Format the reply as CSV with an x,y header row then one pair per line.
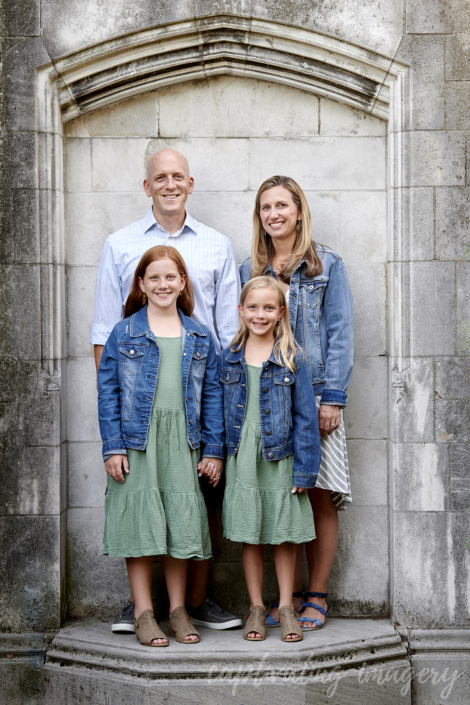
x,y
125,622
209,614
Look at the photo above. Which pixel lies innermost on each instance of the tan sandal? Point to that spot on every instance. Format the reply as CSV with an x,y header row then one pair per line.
x,y
147,629
289,624
256,622
180,626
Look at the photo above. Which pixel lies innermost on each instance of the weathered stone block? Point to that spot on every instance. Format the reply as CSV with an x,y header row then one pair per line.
x,y
457,57
22,680
363,233
78,166
30,596
452,378
368,473
412,402
20,160
217,165
370,319
80,302
430,559
19,242
130,118
21,19
452,222
432,293
441,16
30,480
366,413
425,56
240,107
457,98
340,162
19,73
418,222
82,404
437,158
91,217
452,420
364,541
420,477
20,283
86,475
324,208
340,119
463,305
441,676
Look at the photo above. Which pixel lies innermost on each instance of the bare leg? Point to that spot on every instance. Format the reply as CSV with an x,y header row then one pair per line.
x,y
253,565
321,552
176,571
198,571
284,559
297,601
140,578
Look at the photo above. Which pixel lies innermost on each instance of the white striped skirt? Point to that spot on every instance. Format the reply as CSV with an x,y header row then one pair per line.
x,y
334,467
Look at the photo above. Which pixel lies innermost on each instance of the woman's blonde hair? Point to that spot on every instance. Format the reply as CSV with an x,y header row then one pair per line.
x,y
304,247
284,346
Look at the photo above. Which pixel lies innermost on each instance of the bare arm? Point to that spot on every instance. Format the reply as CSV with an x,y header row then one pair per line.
x,y
98,350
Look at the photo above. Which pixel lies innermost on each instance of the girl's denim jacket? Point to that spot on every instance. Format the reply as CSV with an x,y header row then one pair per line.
x,y
127,379
287,411
321,317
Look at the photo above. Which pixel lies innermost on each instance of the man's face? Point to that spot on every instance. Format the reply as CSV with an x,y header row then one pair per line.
x,y
168,183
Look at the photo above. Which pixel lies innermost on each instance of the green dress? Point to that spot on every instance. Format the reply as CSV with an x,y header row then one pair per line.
x,y
259,506
160,510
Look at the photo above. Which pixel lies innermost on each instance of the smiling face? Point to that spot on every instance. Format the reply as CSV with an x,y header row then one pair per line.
x,y
162,283
261,312
279,213
168,183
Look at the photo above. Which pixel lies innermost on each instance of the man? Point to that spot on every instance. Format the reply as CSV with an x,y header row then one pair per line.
x,y
214,274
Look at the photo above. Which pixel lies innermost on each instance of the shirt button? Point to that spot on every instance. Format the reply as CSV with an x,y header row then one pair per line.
x,y
132,352
267,412
265,389
270,455
268,433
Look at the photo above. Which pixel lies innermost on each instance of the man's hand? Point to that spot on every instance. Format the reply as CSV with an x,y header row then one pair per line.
x,y
328,419
211,468
114,467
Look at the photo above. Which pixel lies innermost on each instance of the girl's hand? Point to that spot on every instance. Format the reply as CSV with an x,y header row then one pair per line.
x,y
211,468
328,419
114,466
299,490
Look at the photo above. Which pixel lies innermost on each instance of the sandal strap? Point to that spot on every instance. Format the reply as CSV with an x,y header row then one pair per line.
x,y
309,619
317,607
316,594
274,604
300,593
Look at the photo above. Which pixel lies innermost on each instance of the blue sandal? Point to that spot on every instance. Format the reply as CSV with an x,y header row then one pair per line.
x,y
317,607
271,622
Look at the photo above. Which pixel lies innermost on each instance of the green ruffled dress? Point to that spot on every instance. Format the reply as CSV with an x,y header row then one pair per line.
x,y
259,506
160,510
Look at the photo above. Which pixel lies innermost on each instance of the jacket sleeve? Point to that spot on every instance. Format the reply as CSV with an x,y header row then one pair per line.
x,y
212,410
307,452
338,312
109,399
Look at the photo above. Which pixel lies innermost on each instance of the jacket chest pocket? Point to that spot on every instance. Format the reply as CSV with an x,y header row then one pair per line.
x,y
199,360
229,382
283,387
130,357
311,293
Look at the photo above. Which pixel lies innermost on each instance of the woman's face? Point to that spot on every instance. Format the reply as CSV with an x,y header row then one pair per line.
x,y
278,212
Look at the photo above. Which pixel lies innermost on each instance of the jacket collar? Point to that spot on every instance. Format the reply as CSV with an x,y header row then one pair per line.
x,y
239,356
139,325
270,270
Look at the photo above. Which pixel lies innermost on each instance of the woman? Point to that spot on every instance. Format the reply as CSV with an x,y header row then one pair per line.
x,y
320,308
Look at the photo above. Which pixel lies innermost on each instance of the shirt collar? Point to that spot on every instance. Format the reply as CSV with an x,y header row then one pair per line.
x,y
190,225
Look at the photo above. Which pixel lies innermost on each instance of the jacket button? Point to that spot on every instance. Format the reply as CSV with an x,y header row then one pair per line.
x,y
267,412
311,286
265,389
198,354
191,422
286,379
268,433
187,399
270,455
132,352
227,377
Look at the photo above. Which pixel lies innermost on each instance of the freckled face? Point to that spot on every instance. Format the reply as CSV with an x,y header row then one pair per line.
x,y
261,312
162,283
279,213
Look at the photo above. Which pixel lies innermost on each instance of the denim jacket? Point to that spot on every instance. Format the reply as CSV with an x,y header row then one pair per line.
x,y
321,317
127,379
287,412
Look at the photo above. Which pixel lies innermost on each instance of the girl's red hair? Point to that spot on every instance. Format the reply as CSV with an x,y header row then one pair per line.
x,y
137,299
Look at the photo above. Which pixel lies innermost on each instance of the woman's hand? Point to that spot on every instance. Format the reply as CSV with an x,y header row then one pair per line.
x,y
211,468
328,419
114,466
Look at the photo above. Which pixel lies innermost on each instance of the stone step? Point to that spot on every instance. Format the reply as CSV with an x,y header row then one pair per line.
x,y
349,660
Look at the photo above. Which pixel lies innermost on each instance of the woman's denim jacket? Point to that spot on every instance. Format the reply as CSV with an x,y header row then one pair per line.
x,y
287,411
321,317
127,379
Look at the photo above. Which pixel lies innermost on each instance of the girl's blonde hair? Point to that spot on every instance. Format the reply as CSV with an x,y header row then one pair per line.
x,y
304,247
284,346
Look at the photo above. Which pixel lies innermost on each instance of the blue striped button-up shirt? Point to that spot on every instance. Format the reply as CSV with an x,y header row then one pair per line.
x,y
211,266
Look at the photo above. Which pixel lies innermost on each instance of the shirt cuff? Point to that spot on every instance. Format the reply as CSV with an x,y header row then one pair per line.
x,y
100,334
334,397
